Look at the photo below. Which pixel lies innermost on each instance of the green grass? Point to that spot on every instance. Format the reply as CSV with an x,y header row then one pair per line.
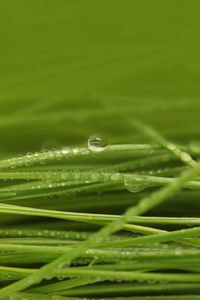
x,y
56,252
99,151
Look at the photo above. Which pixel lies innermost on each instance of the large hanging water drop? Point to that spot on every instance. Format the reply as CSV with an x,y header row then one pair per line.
x,y
96,143
134,186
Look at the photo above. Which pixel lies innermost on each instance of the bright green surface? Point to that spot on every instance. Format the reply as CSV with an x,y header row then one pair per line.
x,y
141,55
73,69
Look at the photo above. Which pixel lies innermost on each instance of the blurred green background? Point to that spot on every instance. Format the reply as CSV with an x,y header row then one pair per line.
x,y
71,69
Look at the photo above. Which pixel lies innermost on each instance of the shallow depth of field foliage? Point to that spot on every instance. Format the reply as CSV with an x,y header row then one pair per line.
x,y
99,150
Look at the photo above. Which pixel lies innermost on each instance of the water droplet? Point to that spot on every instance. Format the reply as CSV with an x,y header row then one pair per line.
x,y
178,252
106,177
29,154
77,175
60,277
43,161
58,155
51,153
65,150
185,157
28,161
13,165
152,281
95,177
96,143
134,186
64,176
48,276
75,150
43,156
171,147
116,177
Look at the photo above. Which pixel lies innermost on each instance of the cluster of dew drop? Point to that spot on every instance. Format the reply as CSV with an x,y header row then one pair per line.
x,y
43,156
44,185
96,144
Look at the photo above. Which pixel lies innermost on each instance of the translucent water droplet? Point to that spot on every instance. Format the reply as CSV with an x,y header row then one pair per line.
x,y
51,153
134,186
48,276
43,161
116,177
185,157
20,156
106,177
58,155
65,150
77,175
75,150
96,143
178,251
13,165
95,177
60,277
52,195
29,154
152,281
64,176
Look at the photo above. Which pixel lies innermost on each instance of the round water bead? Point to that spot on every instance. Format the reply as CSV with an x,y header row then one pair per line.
x,y
134,186
96,143
195,147
65,150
